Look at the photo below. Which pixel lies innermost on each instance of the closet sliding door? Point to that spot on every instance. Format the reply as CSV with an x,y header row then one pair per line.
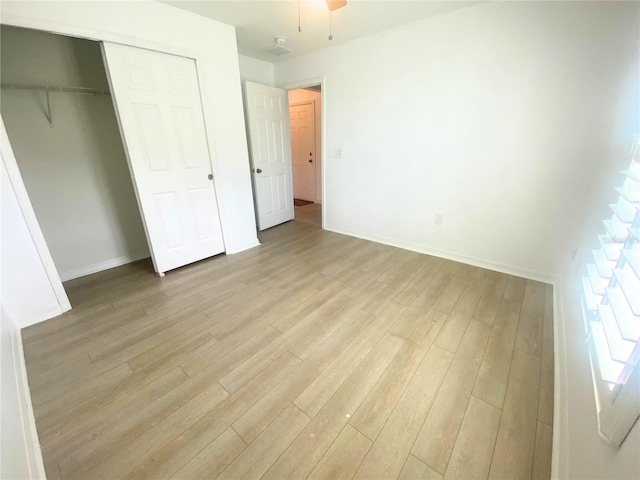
x,y
157,101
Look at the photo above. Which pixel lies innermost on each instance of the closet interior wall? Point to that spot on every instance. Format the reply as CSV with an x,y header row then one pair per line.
x,y
75,172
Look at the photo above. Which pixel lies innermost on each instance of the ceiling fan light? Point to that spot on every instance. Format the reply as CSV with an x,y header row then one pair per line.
x,y
335,4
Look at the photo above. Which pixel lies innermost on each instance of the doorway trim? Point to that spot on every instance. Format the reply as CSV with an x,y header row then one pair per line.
x,y
312,82
22,197
314,105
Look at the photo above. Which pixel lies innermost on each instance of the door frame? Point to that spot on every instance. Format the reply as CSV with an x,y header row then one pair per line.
x,y
311,102
312,82
24,202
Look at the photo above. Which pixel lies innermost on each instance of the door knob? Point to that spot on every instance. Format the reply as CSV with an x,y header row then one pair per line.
x,y
257,170
210,176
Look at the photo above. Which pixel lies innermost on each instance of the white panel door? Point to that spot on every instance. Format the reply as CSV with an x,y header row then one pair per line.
x,y
270,146
157,102
303,150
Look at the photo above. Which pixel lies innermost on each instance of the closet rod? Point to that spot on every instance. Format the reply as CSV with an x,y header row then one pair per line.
x,y
48,88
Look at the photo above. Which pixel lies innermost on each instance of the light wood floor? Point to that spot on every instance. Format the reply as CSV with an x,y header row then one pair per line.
x,y
311,213
316,355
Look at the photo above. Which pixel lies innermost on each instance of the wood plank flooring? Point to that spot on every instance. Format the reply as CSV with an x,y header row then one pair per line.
x,y
311,213
315,355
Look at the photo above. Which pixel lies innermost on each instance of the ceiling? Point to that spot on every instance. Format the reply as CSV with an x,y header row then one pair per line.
x,y
259,22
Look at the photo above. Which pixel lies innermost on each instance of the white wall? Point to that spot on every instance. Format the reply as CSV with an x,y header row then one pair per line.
x,y
490,115
76,173
20,449
254,70
302,95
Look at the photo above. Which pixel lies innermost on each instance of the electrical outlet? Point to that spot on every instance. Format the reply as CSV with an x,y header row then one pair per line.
x,y
337,153
437,219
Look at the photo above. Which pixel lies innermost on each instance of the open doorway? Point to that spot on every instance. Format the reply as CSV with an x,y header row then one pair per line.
x,y
285,138
305,123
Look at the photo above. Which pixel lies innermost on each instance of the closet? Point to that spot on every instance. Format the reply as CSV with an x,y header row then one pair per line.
x,y
73,163
98,204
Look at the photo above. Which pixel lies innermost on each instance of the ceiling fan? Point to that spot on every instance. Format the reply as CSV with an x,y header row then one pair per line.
x,y
335,4
279,43
331,5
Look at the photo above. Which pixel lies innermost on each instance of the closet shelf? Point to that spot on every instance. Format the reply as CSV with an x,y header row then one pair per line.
x,y
50,88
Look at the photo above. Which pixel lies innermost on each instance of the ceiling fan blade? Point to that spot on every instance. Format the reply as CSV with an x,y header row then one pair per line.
x,y
335,4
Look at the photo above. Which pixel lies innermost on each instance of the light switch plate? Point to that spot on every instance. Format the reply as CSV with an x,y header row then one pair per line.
x,y
337,153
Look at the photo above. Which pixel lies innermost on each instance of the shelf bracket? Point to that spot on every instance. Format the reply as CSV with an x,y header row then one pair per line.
x,y
48,114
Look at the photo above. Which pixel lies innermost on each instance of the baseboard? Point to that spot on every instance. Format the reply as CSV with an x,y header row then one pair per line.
x,y
27,417
476,262
100,266
232,251
40,316
560,449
